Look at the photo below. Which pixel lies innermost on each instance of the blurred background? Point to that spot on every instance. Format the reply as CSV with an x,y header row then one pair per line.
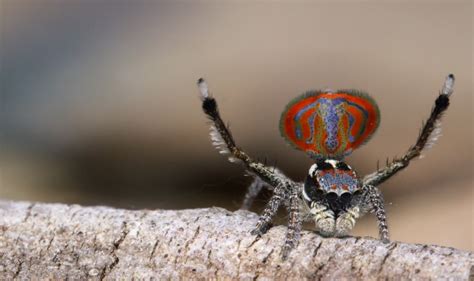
x,y
99,104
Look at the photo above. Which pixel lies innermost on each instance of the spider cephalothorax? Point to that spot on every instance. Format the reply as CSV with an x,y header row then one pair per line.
x,y
328,126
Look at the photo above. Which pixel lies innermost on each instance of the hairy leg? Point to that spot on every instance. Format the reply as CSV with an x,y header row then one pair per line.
x,y
265,220
374,199
256,187
294,221
222,139
429,133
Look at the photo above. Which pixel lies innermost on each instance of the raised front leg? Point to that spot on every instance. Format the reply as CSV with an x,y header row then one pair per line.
x,y
428,136
224,142
222,139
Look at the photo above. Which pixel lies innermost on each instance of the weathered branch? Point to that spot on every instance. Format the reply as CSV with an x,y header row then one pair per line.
x,y
74,242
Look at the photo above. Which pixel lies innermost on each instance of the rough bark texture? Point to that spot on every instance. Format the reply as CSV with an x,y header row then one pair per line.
x,y
74,242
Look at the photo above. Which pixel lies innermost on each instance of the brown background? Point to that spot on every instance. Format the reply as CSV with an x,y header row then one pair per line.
x,y
99,105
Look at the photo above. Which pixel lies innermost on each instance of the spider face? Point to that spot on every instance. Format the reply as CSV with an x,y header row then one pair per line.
x,y
331,182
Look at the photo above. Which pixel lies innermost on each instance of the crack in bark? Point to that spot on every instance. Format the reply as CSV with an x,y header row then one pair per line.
x,y
108,269
18,270
315,252
258,271
209,263
28,212
239,256
155,245
264,260
387,255
50,242
257,238
320,268
190,241
353,267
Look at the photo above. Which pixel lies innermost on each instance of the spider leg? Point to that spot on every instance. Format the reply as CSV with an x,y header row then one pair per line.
x,y
255,187
222,139
374,200
265,220
252,192
295,221
430,132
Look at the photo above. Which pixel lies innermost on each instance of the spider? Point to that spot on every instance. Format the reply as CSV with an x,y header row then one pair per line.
x,y
327,125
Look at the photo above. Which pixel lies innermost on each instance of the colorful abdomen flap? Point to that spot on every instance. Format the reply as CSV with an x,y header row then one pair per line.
x,y
330,124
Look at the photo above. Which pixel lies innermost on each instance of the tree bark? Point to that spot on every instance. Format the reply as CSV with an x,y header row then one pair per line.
x,y
57,241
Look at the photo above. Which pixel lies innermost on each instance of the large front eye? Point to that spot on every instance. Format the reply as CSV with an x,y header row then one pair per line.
x,y
345,199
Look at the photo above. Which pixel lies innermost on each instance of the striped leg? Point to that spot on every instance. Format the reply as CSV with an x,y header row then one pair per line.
x,y
375,200
256,187
265,220
224,142
294,222
222,139
428,136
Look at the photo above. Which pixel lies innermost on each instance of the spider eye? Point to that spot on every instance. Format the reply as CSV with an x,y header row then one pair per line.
x,y
345,198
332,197
338,203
